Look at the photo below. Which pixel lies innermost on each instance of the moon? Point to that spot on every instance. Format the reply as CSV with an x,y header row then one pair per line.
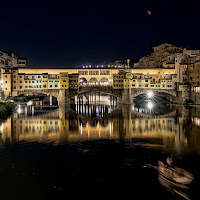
x,y
148,12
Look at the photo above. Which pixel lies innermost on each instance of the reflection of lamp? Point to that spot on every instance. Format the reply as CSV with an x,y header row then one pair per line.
x,y
149,105
19,110
29,103
1,127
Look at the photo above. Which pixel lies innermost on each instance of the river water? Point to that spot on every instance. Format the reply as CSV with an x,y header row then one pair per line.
x,y
97,151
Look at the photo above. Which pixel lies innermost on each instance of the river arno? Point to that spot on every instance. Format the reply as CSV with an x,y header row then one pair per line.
x,y
97,151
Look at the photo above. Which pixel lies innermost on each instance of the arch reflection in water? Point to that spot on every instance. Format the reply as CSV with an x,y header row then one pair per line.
x,y
97,98
122,123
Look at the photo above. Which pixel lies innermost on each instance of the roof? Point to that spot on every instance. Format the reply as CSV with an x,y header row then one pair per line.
x,y
22,58
10,54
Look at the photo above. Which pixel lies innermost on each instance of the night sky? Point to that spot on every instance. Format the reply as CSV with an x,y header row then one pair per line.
x,y
76,33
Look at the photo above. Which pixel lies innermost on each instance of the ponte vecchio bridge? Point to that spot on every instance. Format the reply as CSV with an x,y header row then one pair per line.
x,y
124,96
49,82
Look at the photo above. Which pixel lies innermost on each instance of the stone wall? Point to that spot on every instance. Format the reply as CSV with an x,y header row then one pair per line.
x,y
63,96
195,97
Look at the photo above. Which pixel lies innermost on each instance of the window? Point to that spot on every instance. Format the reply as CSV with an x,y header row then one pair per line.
x,y
105,73
20,81
20,76
20,87
6,81
32,81
50,86
6,76
64,81
26,86
146,80
44,86
56,85
25,81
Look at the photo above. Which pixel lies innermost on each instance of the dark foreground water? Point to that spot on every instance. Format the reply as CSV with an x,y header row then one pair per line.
x,y
97,151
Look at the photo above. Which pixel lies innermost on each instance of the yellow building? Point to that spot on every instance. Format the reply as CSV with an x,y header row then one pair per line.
x,y
64,80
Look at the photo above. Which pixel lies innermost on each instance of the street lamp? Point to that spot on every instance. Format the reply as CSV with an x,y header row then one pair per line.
x,y
150,94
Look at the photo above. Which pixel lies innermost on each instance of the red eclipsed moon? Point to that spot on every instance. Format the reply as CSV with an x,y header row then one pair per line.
x,y
148,12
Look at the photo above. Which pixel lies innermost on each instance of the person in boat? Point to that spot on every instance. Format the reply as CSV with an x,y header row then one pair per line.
x,y
169,161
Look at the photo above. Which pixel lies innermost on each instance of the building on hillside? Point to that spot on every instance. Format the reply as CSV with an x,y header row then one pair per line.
x,y
8,59
163,56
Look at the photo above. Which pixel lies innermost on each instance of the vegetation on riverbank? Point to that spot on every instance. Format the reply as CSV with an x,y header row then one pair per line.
x,y
6,108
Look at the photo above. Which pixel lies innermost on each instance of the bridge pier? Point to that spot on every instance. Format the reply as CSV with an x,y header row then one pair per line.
x,y
126,96
63,112
64,97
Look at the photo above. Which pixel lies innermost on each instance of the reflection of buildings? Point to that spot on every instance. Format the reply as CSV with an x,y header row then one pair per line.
x,y
169,131
55,126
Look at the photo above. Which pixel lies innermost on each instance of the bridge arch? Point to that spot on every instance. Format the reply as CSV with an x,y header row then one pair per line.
x,y
164,92
37,92
93,81
83,81
104,81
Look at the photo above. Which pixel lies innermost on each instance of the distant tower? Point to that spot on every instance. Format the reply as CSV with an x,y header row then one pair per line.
x,y
128,63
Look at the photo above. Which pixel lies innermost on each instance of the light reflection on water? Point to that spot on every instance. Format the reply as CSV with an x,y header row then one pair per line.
x,y
163,128
165,123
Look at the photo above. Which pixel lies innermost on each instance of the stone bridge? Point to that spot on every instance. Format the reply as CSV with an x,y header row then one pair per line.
x,y
104,89
62,95
138,91
124,96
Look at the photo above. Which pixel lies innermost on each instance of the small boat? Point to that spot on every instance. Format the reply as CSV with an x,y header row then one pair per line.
x,y
175,189
174,174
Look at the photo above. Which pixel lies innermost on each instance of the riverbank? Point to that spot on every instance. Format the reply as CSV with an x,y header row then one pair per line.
x,y
6,108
